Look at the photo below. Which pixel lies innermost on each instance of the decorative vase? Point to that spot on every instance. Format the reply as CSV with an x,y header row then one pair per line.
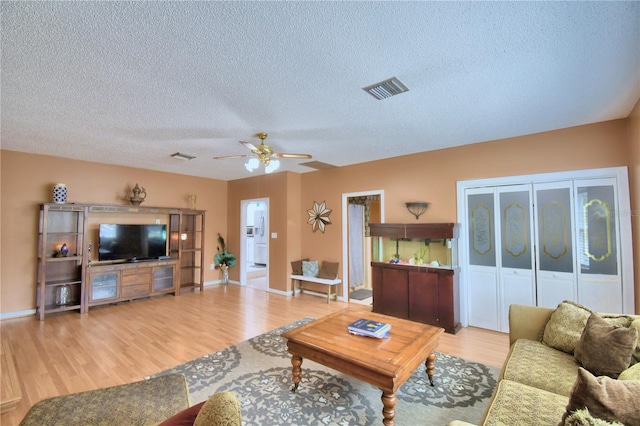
x,y
139,194
60,193
224,276
63,295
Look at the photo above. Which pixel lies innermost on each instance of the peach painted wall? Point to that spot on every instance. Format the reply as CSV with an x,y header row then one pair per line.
x,y
27,181
432,176
634,189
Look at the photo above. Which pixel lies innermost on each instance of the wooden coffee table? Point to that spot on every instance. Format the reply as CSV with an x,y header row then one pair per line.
x,y
384,363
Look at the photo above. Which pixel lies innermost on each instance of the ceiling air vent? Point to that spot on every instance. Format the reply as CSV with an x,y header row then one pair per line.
x,y
182,156
386,89
318,165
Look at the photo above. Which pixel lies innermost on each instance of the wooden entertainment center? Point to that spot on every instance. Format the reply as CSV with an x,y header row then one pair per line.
x,y
68,278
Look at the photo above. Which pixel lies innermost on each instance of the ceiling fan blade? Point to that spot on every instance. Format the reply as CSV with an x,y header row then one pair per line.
x,y
286,155
226,157
249,145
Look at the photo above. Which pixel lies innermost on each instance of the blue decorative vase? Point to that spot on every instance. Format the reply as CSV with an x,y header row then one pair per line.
x,y
60,193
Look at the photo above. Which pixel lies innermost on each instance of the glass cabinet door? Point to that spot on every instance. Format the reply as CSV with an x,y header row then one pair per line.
x,y
104,286
163,278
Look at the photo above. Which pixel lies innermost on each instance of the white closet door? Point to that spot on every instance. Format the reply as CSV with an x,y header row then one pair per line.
x,y
482,270
516,279
554,230
599,273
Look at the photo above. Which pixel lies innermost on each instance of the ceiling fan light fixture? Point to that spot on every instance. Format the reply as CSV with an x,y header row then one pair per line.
x,y
252,164
272,166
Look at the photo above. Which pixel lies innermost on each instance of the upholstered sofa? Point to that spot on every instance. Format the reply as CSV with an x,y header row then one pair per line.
x,y
568,366
163,400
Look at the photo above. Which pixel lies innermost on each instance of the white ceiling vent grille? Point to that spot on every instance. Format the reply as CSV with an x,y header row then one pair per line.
x,y
386,89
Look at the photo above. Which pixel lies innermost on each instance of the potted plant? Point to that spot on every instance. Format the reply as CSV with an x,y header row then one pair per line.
x,y
223,260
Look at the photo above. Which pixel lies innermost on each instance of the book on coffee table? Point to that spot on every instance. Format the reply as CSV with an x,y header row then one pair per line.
x,y
370,328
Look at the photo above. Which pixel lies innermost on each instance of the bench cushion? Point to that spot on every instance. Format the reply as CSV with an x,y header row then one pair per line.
x,y
316,280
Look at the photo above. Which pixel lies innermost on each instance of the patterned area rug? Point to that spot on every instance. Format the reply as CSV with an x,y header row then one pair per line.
x,y
258,372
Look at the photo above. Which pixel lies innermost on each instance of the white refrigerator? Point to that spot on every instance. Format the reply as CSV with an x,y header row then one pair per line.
x,y
260,238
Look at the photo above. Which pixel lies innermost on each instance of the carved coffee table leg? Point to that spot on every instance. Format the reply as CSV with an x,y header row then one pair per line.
x,y
296,361
430,365
388,408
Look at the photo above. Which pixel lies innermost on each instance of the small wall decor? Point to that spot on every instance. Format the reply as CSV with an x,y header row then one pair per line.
x,y
319,216
139,194
60,193
192,201
417,208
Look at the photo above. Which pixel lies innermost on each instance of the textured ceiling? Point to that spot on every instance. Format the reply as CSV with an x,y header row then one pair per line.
x,y
130,83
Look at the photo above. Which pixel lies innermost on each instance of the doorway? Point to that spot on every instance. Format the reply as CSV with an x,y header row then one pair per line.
x,y
358,210
254,243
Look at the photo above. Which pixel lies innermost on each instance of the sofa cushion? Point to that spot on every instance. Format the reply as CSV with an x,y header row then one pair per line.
x,y
565,326
631,373
222,409
537,365
138,403
310,268
534,406
329,270
605,350
583,417
636,355
606,398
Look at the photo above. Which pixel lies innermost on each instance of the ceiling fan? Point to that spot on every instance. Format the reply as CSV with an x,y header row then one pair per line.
x,y
262,154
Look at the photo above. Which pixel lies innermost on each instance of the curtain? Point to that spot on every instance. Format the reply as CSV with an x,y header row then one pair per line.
x,y
356,245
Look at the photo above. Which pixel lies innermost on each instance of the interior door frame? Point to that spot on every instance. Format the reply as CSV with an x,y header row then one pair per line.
x,y
624,223
345,234
243,237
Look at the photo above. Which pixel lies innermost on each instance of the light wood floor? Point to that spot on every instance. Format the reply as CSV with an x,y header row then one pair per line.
x,y
122,343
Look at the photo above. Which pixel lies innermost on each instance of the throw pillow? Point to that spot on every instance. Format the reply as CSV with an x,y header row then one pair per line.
x,y
636,354
565,326
310,268
606,398
185,417
221,409
583,417
296,267
329,270
631,373
605,350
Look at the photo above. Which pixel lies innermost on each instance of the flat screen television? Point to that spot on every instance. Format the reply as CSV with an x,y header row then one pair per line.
x,y
132,242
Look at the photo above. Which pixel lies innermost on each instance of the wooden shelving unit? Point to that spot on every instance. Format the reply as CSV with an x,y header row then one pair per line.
x,y
67,276
186,243
60,285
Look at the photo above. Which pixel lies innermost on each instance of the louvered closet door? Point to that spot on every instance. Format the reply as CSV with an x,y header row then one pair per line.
x,y
482,271
554,231
599,273
516,279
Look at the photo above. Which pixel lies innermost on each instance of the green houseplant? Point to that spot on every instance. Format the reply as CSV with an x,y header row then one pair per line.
x,y
223,260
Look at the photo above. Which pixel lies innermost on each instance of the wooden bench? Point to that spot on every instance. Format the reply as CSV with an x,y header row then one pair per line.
x,y
329,283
